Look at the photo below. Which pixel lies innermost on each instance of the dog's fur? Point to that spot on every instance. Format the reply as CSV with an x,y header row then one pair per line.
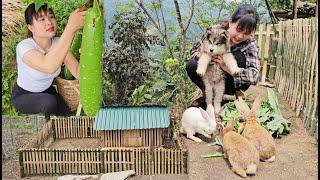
x,y
216,41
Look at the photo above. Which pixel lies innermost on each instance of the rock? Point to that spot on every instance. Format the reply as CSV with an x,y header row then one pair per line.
x,y
78,177
117,175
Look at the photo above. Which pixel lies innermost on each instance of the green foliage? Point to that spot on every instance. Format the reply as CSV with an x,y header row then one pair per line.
x,y
213,154
140,95
62,10
127,7
27,1
217,141
75,46
39,3
278,125
9,72
125,62
169,84
284,4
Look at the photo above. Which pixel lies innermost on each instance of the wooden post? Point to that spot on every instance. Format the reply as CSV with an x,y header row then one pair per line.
x,y
22,175
102,168
79,108
53,129
295,9
185,161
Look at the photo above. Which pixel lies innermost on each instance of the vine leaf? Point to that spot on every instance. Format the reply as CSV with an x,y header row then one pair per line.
x,y
38,4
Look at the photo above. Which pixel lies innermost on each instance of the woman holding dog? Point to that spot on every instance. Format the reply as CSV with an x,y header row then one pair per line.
x,y
241,25
39,59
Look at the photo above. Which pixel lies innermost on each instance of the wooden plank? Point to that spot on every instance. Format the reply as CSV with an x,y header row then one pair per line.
x,y
158,161
260,34
79,108
291,39
313,48
315,79
267,42
26,162
278,54
264,71
296,59
21,160
305,66
300,97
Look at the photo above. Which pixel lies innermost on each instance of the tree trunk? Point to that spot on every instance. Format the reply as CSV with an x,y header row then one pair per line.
x,y
182,32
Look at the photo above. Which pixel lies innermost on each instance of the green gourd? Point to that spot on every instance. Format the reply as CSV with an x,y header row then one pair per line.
x,y
91,60
75,46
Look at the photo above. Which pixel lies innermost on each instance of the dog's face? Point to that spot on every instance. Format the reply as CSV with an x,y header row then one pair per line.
x,y
217,41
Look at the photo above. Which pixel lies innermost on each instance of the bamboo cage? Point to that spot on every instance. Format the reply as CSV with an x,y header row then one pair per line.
x,y
139,137
36,158
296,76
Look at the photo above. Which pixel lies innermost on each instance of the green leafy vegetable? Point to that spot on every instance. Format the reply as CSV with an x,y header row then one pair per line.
x,y
218,141
269,113
213,154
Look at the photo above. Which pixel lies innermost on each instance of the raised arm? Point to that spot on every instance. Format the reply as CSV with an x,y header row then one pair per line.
x,y
51,61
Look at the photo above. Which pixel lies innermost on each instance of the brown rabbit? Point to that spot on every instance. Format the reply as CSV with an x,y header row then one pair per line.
x,y
242,155
255,133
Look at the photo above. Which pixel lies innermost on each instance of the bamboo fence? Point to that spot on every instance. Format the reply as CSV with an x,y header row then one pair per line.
x,y
36,158
288,54
296,77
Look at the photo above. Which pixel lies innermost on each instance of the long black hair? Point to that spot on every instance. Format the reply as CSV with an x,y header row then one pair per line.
x,y
31,13
247,18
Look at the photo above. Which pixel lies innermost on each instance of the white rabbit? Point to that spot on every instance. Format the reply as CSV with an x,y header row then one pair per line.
x,y
196,120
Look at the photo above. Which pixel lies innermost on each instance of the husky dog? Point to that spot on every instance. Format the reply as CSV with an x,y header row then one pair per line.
x,y
216,41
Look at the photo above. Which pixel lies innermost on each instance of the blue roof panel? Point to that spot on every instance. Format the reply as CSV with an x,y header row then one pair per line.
x,y
132,117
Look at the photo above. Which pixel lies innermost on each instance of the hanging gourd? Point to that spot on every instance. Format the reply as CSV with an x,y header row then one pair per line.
x,y
91,60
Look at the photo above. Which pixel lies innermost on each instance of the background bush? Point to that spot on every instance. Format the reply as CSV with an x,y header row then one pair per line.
x,y
125,61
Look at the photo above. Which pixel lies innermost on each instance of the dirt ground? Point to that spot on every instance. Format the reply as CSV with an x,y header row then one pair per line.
x,y
74,143
297,156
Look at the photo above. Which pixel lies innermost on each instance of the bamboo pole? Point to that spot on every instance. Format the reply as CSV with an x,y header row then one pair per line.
x,y
295,64
301,98
314,45
21,160
261,27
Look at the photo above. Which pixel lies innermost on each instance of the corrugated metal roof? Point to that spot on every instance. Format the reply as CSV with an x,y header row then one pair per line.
x,y
132,117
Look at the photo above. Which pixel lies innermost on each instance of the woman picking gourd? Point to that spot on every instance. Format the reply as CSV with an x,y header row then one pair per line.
x,y
39,59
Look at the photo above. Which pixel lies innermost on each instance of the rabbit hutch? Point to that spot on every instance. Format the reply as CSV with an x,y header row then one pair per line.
x,y
133,126
129,138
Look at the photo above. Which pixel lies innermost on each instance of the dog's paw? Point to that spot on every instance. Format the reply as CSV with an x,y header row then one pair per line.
x,y
198,140
217,111
237,70
201,71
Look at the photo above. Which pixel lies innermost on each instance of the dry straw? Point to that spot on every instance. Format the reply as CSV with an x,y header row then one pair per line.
x,y
12,18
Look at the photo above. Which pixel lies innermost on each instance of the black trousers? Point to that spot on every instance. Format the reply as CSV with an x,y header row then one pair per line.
x,y
191,68
47,102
